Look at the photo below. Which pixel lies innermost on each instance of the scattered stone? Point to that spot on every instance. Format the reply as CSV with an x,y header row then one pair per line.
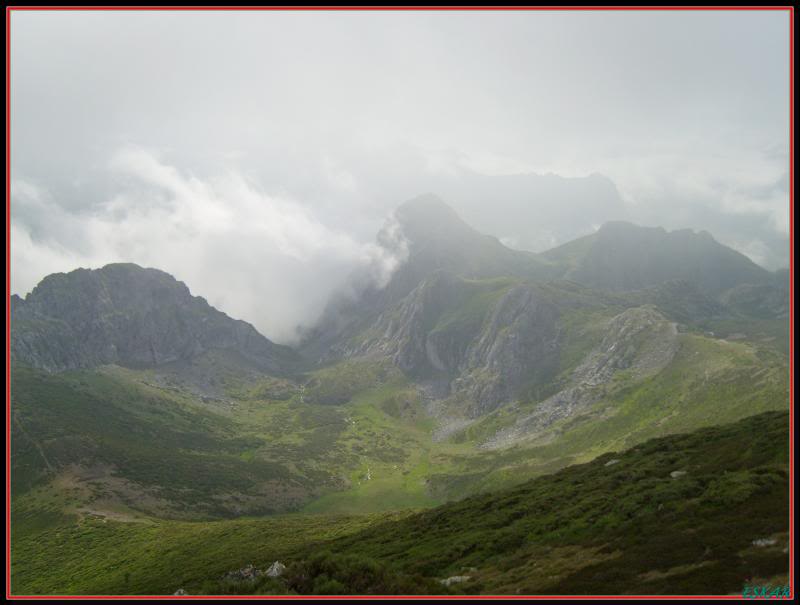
x,y
180,592
762,542
676,474
249,572
454,580
276,569
612,462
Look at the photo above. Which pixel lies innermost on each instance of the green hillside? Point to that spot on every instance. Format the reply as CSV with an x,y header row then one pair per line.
x,y
696,513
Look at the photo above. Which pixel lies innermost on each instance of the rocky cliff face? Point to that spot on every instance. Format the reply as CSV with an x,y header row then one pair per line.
x,y
639,341
124,314
480,340
402,333
518,344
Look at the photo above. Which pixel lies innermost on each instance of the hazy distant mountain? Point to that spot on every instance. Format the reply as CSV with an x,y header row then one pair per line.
x,y
540,211
127,315
438,239
622,256
619,256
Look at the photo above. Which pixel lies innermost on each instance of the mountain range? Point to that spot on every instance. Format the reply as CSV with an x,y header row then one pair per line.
x,y
475,368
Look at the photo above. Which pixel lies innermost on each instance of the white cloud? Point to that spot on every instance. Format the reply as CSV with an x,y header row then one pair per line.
x,y
257,256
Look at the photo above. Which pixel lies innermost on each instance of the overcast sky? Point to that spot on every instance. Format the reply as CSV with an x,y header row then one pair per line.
x,y
253,155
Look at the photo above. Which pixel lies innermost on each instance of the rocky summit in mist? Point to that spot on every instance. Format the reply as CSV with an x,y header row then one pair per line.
x,y
460,385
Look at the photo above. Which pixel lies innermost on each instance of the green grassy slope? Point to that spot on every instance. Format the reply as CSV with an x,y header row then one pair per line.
x,y
626,527
674,515
118,442
152,556
93,437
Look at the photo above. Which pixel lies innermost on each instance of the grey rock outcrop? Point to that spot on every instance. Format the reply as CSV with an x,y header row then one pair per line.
x,y
639,340
482,356
517,344
276,569
764,542
454,580
246,573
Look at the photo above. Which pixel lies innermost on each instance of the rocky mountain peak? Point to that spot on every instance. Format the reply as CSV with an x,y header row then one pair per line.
x,y
127,315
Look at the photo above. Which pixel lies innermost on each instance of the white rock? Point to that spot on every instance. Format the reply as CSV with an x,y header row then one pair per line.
x,y
454,580
612,462
276,569
676,474
765,542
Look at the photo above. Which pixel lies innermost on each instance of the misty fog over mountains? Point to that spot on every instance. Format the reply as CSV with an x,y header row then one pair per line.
x,y
274,144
